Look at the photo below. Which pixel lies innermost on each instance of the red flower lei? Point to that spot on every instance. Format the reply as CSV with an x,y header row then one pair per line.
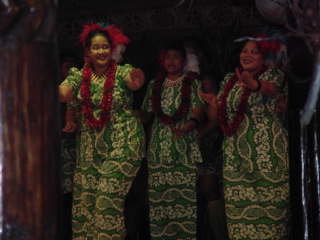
x,y
106,101
230,128
184,106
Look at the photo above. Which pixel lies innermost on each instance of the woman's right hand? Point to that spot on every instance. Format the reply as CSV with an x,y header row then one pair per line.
x,y
212,108
135,79
65,93
209,98
70,127
246,79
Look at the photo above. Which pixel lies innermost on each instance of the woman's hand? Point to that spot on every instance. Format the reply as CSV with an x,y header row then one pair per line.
x,y
135,79
70,127
182,131
246,79
70,123
65,93
144,116
209,98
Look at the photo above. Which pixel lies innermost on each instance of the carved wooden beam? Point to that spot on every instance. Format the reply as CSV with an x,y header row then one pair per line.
x,y
29,147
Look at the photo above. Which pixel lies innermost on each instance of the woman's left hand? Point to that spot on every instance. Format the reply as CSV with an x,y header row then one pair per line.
x,y
179,132
183,130
209,98
136,79
70,127
246,79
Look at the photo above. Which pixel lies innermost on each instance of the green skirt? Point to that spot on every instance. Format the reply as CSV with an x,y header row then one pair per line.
x,y
99,196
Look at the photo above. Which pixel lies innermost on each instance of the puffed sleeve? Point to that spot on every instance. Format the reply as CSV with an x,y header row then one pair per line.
x,y
73,80
123,74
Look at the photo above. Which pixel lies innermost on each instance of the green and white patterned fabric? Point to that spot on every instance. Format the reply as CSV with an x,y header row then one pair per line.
x,y
256,167
107,161
172,170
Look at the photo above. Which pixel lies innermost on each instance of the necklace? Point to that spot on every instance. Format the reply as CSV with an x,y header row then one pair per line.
x,y
172,83
97,78
106,101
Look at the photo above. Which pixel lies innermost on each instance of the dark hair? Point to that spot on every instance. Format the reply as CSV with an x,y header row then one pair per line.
x,y
176,46
94,33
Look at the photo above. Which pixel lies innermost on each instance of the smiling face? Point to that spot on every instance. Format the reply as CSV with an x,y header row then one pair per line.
x,y
251,58
99,51
173,62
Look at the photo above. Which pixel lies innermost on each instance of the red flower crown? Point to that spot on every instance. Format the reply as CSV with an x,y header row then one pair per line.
x,y
116,35
267,46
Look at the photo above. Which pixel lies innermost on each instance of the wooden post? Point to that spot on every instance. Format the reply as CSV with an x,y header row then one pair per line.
x,y
29,141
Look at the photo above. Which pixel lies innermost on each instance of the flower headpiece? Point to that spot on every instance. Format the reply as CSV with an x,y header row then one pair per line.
x,y
265,44
192,62
116,35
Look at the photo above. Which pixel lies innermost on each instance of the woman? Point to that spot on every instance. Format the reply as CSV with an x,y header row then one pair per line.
x,y
255,147
173,150
210,174
111,139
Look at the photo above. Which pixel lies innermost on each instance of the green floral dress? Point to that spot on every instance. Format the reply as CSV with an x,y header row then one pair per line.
x,y
107,162
172,170
256,167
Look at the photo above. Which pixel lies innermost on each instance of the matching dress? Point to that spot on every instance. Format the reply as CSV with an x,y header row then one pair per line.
x,y
107,161
256,167
172,167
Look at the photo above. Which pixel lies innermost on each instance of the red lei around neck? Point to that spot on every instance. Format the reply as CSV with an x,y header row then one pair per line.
x,y
184,106
230,127
106,101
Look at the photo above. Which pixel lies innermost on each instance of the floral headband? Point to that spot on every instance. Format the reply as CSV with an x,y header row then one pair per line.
x,y
116,35
266,44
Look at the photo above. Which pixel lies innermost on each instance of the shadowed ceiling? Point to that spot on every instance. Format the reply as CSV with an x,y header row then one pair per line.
x,y
150,24
107,6
139,17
